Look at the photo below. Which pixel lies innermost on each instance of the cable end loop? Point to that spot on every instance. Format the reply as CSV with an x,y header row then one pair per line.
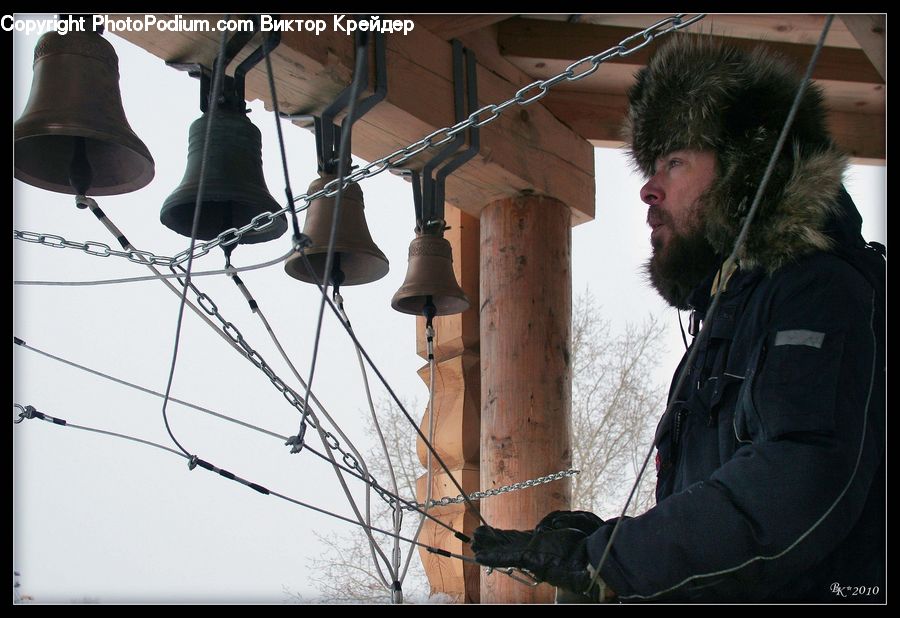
x,y
301,242
26,412
296,442
82,202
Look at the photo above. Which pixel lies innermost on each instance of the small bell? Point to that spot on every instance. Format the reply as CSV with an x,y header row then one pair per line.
x,y
361,261
73,136
430,275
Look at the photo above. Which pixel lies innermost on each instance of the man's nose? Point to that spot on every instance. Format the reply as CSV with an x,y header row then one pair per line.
x,y
652,193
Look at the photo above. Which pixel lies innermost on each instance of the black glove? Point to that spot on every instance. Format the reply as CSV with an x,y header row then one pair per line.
x,y
579,520
494,547
558,557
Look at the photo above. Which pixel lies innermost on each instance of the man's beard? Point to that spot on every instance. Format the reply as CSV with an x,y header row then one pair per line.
x,y
681,266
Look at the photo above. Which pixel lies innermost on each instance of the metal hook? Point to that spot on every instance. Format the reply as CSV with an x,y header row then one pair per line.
x,y
528,579
22,415
328,134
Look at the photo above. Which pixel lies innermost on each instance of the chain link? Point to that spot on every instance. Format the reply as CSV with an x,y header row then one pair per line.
x,y
486,115
489,493
233,332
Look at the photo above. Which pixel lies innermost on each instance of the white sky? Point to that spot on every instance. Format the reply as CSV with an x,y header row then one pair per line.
x,y
98,518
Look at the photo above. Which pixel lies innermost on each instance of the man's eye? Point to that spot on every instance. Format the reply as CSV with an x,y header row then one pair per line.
x,y
673,163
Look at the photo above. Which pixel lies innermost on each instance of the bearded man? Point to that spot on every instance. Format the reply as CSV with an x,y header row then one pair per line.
x,y
770,458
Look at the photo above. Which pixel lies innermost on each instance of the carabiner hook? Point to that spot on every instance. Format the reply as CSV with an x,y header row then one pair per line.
x,y
26,412
528,579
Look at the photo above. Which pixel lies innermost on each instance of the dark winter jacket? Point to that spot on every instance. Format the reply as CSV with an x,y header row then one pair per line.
x,y
771,479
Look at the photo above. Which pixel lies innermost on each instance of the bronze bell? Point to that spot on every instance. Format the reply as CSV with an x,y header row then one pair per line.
x,y
234,190
73,130
430,276
360,259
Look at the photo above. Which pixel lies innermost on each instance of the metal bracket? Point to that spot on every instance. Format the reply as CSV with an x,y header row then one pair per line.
x,y
232,95
328,134
428,197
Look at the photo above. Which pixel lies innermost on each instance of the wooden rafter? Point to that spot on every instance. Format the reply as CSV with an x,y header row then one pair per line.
x,y
854,89
598,117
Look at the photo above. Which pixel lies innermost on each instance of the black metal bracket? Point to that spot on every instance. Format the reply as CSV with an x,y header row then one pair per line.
x,y
328,134
232,95
428,189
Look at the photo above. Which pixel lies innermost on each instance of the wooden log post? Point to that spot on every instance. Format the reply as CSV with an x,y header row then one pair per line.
x,y
457,410
526,313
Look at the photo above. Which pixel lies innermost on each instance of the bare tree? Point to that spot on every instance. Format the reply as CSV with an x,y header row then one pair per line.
x,y
615,406
345,573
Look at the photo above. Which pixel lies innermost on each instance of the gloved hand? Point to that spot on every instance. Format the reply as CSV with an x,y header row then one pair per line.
x,y
558,557
579,520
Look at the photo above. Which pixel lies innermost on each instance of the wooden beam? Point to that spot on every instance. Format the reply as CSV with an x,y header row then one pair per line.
x,y
869,31
454,26
524,149
599,117
862,136
554,40
596,116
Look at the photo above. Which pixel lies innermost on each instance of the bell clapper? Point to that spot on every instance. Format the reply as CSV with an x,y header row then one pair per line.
x,y
429,311
337,278
80,172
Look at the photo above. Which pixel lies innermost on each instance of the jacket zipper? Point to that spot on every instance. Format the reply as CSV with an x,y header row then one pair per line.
x,y
676,428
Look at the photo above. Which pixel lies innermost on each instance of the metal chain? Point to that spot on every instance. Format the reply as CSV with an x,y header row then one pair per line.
x,y
479,118
233,333
479,495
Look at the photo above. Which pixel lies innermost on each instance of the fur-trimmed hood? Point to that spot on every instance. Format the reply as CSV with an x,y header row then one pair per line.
x,y
697,93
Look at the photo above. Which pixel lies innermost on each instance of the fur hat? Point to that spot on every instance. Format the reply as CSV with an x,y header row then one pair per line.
x,y
697,93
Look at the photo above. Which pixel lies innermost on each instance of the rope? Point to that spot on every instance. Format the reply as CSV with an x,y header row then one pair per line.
x,y
429,480
329,257
281,147
205,273
218,72
194,461
124,242
400,405
410,504
398,513
318,426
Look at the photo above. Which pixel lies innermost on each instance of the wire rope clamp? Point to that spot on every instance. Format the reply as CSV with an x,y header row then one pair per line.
x,y
296,442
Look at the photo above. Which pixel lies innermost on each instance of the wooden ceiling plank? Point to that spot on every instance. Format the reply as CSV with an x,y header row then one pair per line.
x,y
554,40
599,118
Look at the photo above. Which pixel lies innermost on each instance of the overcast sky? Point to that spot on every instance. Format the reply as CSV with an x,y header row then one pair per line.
x,y
101,519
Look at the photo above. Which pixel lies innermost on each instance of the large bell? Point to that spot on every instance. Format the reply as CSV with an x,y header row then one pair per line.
x,y
74,123
429,276
234,189
359,258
